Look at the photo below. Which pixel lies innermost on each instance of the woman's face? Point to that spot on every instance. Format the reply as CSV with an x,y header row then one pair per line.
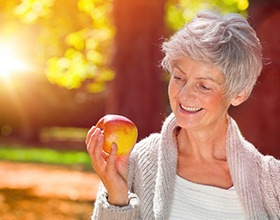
x,y
196,95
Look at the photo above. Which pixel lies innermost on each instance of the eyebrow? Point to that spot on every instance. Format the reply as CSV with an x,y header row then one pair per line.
x,y
209,78
203,78
179,69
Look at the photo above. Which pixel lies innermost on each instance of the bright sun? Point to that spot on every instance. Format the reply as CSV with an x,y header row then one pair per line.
x,y
9,63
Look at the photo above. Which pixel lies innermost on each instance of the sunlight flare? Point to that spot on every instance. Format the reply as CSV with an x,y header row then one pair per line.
x,y
10,63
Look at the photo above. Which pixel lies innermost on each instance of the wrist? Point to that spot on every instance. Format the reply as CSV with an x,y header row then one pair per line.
x,y
120,200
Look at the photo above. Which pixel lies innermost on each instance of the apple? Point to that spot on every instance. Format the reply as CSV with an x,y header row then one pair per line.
x,y
119,130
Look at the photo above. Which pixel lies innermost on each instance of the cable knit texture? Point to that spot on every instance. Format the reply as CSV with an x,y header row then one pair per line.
x,y
152,171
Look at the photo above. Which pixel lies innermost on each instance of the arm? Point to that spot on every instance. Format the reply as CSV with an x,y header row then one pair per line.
x,y
114,201
269,180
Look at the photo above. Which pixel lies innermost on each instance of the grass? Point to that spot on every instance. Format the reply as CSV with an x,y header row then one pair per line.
x,y
20,153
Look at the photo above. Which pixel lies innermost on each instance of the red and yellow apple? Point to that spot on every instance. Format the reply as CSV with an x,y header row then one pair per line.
x,y
119,130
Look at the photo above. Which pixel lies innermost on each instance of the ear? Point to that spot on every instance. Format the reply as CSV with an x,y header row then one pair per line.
x,y
240,98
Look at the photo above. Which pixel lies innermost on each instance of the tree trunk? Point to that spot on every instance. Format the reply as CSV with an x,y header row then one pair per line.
x,y
138,91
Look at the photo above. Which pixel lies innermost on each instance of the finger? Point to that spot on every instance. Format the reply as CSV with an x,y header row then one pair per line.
x,y
112,157
93,140
89,134
98,151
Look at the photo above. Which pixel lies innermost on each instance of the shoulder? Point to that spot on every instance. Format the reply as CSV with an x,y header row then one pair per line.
x,y
266,163
248,156
262,172
269,170
270,166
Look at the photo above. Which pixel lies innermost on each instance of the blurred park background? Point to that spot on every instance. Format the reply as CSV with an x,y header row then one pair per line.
x,y
65,64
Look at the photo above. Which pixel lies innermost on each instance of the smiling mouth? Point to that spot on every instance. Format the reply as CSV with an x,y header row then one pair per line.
x,y
190,109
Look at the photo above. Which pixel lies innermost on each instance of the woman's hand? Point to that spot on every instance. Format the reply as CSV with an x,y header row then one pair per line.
x,y
112,170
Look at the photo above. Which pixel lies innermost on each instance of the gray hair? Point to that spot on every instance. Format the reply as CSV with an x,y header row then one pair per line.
x,y
227,42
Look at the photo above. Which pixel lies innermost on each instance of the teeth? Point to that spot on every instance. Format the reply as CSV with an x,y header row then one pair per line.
x,y
190,109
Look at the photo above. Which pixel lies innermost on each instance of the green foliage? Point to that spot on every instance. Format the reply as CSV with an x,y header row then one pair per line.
x,y
74,40
181,11
22,154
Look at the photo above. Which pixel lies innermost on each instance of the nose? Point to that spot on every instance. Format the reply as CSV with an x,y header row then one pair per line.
x,y
188,91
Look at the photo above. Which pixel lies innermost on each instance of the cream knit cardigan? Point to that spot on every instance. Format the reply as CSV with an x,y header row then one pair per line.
x,y
152,171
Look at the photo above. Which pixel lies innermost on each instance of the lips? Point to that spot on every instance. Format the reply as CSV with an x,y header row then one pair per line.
x,y
190,109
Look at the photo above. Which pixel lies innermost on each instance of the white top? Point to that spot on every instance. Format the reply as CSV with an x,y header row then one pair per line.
x,y
197,201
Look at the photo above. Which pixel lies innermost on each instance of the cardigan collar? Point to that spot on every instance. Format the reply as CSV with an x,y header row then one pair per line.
x,y
242,159
167,166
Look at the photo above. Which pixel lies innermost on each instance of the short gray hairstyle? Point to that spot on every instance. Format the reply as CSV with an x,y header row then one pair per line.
x,y
227,42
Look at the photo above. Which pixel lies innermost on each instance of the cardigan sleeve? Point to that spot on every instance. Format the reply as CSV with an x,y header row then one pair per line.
x,y
103,210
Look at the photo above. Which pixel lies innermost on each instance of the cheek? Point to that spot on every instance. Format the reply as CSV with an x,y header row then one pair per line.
x,y
217,104
171,95
173,88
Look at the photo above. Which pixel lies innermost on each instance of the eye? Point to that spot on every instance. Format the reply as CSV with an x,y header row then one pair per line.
x,y
205,87
178,78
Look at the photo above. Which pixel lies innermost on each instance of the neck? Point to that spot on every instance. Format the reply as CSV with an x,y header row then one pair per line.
x,y
204,144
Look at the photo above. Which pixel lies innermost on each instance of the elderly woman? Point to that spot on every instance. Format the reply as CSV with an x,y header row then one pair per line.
x,y
199,166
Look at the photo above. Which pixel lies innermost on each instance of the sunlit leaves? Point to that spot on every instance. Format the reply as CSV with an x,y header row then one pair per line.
x,y
100,81
86,5
30,10
242,4
87,51
85,59
180,11
68,71
73,40
74,68
99,10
